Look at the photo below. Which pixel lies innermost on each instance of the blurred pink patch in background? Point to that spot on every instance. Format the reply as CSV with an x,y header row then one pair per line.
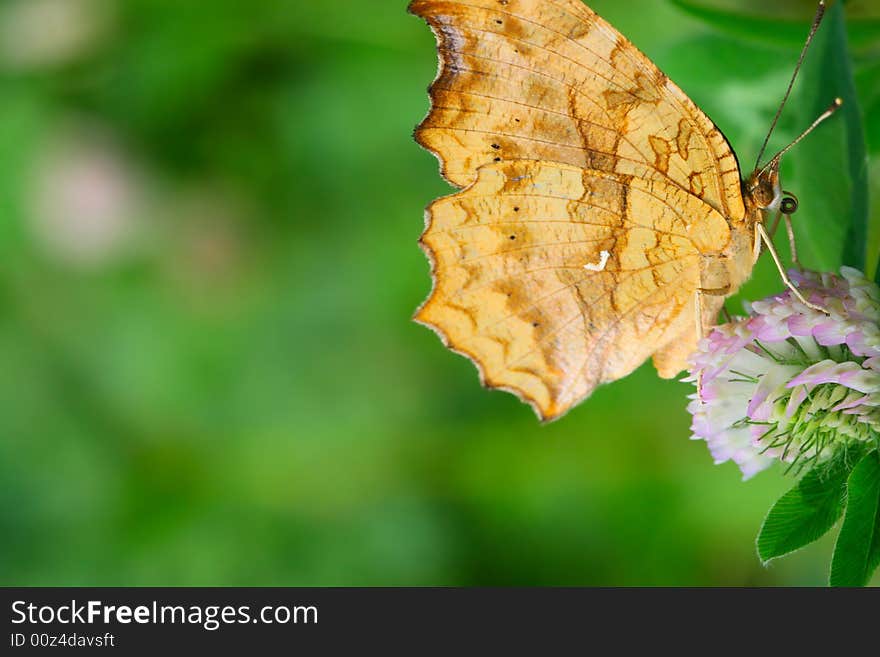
x,y
87,199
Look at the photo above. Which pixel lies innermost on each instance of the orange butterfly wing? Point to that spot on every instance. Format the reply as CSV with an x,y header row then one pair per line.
x,y
596,192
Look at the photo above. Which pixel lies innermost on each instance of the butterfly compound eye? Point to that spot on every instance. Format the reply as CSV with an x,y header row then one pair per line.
x,y
789,204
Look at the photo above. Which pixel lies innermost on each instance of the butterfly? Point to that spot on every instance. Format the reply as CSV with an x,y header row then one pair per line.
x,y
602,218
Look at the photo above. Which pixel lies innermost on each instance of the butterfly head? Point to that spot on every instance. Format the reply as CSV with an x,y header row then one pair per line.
x,y
763,190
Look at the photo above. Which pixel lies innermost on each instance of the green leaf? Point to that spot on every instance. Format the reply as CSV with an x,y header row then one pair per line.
x,y
857,552
828,171
774,24
867,77
749,26
807,511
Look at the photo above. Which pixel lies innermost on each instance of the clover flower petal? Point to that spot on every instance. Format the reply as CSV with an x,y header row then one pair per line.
x,y
788,382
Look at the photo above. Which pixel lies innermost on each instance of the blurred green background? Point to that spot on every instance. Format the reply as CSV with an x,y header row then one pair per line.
x,y
208,265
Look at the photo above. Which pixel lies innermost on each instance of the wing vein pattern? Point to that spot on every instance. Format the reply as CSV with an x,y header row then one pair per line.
x,y
593,193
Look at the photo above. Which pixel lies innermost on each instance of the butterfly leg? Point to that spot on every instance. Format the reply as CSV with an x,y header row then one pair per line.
x,y
758,247
775,223
761,234
698,316
788,229
791,243
708,302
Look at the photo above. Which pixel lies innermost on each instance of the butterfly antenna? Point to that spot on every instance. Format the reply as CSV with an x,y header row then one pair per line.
x,y
824,115
817,20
